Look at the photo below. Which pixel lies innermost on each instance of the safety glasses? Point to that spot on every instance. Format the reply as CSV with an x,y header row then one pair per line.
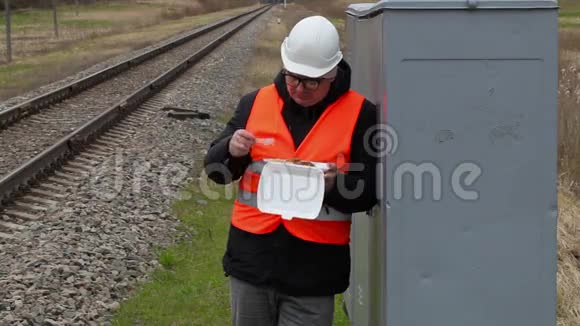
x,y
308,83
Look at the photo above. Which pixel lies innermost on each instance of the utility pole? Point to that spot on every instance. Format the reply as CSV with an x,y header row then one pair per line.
x,y
77,6
54,17
8,34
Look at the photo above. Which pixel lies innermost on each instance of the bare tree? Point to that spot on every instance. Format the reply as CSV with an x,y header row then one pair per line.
x,y
8,31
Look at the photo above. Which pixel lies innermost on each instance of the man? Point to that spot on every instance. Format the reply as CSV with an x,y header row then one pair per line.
x,y
286,272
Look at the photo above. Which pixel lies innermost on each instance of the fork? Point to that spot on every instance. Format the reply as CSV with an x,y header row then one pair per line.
x,y
265,141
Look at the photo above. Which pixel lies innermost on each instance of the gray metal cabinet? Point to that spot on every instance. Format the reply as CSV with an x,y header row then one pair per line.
x,y
466,230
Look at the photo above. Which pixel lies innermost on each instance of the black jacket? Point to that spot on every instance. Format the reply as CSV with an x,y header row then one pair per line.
x,y
279,259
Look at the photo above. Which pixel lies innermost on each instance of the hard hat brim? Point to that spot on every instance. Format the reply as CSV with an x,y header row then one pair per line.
x,y
306,70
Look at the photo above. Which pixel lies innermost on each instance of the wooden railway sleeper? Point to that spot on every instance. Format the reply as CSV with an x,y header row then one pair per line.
x,y
74,171
29,206
66,176
62,181
20,215
38,200
35,190
51,187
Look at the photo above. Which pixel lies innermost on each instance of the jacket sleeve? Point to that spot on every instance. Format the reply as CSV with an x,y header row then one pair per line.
x,y
219,165
355,190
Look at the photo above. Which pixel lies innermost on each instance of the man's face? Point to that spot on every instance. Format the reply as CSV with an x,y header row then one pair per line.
x,y
306,91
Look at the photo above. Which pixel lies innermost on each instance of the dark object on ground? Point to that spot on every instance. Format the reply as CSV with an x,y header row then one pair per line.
x,y
181,114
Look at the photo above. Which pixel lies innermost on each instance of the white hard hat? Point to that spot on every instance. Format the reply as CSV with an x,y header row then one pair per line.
x,y
312,48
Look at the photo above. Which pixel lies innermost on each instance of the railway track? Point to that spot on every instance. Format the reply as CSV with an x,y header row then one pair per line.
x,y
52,142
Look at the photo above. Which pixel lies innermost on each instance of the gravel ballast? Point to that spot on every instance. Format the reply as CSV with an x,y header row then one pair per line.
x,y
29,137
8,103
77,265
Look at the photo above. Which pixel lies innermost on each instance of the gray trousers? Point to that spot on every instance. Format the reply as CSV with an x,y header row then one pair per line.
x,y
257,306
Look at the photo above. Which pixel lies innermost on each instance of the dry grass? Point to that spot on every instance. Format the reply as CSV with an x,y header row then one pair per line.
x,y
569,5
33,31
266,60
569,110
568,260
569,168
329,9
32,71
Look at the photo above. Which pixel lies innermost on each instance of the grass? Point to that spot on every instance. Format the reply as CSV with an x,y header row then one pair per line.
x,y
570,14
14,69
26,17
569,168
9,75
189,287
569,112
569,5
22,19
568,264
266,59
30,71
569,18
569,25
568,311
88,23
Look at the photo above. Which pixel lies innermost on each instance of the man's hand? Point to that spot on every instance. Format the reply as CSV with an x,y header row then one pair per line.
x,y
241,142
330,177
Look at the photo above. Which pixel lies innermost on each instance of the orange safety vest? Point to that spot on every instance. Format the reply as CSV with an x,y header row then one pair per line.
x,y
329,140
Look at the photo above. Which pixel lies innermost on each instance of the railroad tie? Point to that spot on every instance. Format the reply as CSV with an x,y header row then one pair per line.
x,y
88,156
20,215
47,193
122,131
109,139
105,142
119,134
73,170
11,226
133,120
140,115
29,206
62,181
40,200
82,164
69,177
99,150
51,187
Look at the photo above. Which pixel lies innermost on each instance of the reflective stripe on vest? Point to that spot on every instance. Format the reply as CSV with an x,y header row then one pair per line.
x,y
250,198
